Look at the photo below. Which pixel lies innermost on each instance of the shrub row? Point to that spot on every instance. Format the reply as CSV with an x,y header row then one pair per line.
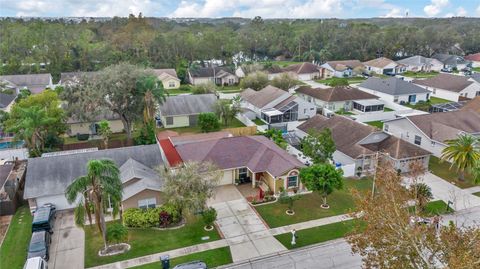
x,y
152,217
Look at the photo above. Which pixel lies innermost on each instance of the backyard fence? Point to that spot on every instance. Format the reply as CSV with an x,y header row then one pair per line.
x,y
242,131
98,144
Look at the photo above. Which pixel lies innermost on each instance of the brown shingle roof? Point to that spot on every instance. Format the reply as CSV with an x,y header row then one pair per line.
x,y
169,71
339,93
303,68
258,153
379,62
348,134
447,82
447,125
262,97
473,57
340,65
473,104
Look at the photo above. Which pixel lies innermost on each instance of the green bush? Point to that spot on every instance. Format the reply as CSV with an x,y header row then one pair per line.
x,y
185,88
82,137
209,216
151,217
208,122
116,233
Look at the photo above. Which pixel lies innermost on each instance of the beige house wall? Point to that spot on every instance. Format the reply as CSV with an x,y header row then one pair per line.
x,y
132,202
84,128
178,121
166,83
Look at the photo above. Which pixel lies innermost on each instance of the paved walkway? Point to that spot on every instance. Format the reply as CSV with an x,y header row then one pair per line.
x,y
245,232
473,189
444,190
314,84
156,257
309,224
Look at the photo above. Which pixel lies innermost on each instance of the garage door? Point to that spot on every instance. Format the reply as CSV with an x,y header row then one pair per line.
x,y
59,201
227,178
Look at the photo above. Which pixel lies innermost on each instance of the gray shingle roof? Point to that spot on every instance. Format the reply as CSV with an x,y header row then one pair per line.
x,y
335,94
449,59
6,99
416,60
66,77
262,97
51,175
188,104
36,83
137,177
206,72
392,86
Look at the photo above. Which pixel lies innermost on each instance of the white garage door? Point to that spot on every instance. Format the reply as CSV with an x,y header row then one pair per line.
x,y
227,178
59,201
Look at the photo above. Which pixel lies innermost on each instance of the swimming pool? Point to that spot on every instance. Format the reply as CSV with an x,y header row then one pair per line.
x,y
9,145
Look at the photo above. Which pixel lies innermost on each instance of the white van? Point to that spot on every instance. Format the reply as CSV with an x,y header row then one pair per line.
x,y
35,263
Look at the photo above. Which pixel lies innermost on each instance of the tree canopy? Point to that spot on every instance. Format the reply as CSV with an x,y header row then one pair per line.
x,y
319,146
322,178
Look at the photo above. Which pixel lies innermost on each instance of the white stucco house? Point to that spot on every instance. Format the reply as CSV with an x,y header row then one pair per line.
x,y
274,105
384,66
431,131
219,75
451,87
341,69
419,63
301,71
395,90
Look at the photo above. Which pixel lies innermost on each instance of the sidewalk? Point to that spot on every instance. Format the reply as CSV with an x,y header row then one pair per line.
x,y
156,257
309,224
473,189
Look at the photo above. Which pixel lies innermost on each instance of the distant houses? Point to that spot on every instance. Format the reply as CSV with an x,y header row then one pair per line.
x,y
168,77
450,87
384,66
219,75
474,58
421,64
301,71
35,83
452,61
341,69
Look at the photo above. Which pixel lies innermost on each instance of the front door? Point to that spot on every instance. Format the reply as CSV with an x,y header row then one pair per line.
x,y
243,175
412,98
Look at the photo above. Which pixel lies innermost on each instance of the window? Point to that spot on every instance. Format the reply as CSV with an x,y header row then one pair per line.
x,y
147,203
305,111
433,143
385,127
169,120
418,140
171,84
477,93
395,99
292,181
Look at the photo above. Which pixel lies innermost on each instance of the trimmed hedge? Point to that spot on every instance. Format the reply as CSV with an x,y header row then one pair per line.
x,y
151,217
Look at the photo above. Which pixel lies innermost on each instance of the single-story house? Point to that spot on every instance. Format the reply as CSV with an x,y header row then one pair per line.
x,y
384,66
77,126
474,58
341,97
357,145
218,75
395,90
431,131
183,110
300,71
274,105
36,83
168,77
452,61
74,77
254,160
48,177
7,100
450,87
419,63
341,69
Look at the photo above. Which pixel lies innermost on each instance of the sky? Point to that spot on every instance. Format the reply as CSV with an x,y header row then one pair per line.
x,y
241,8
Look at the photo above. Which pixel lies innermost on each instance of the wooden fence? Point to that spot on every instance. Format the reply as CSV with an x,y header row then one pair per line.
x,y
242,131
97,143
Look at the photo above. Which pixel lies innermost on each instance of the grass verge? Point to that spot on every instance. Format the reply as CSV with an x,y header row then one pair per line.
x,y
377,123
319,234
213,258
14,247
308,206
147,241
442,169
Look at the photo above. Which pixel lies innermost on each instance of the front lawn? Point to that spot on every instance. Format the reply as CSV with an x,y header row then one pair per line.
x,y
318,234
13,251
213,258
412,74
425,106
352,80
147,241
377,123
308,206
438,207
258,121
184,89
476,69
229,89
442,169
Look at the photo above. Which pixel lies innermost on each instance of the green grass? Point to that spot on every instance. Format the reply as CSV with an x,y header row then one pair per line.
x,y
419,74
235,123
319,234
184,88
343,112
229,89
258,121
352,80
442,169
74,140
308,206
280,63
476,69
438,207
425,106
14,247
386,109
476,194
147,241
213,258
436,100
377,123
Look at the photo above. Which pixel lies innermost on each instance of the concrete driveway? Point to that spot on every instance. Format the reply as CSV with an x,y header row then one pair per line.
x,y
68,244
245,232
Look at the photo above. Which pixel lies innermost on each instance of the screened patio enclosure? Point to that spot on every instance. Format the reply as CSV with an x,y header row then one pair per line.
x,y
368,105
287,113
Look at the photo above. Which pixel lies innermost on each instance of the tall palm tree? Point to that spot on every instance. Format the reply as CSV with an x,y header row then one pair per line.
x,y
463,153
102,181
152,89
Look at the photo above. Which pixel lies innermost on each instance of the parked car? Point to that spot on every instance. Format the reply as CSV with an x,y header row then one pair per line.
x,y
44,218
192,265
39,245
35,263
447,70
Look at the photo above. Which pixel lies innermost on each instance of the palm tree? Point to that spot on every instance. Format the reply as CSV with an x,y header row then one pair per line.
x,y
101,182
422,193
464,154
152,89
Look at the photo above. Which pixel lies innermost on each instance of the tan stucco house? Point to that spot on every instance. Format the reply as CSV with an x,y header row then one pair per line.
x,y
78,126
168,77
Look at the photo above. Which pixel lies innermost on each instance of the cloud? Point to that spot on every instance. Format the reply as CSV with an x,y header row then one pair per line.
x,y
394,13
461,12
435,7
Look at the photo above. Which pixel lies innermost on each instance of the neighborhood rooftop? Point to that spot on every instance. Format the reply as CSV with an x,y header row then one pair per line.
x,y
335,94
379,62
263,97
206,72
34,82
188,104
344,64
444,81
392,86
416,60
51,175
